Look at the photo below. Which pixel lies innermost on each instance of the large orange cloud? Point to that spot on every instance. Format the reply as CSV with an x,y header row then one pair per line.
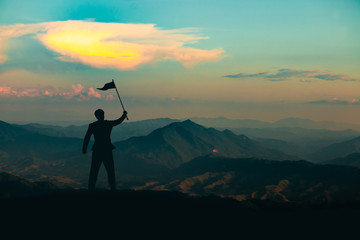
x,y
113,45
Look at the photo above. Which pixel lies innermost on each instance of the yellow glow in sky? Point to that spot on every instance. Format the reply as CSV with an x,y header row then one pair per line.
x,y
91,48
122,46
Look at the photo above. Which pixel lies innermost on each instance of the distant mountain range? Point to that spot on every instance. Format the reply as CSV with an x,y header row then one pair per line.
x,y
180,142
221,122
17,142
337,150
122,132
296,141
350,160
144,127
292,136
37,156
31,152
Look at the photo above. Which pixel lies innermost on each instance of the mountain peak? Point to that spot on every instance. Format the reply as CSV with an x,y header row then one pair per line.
x,y
188,121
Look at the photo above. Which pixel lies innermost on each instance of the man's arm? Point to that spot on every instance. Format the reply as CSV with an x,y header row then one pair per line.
x,y
120,120
86,139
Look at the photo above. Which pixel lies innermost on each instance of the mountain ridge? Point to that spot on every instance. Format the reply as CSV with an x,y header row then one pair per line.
x,y
222,122
179,142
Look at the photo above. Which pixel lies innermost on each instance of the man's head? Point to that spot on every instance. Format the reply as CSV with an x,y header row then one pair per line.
x,y
99,114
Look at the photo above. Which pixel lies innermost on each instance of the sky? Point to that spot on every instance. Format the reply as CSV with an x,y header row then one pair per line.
x,y
259,59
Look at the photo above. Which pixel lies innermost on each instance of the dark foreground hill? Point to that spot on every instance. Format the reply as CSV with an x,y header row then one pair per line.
x,y
250,178
170,215
11,185
167,214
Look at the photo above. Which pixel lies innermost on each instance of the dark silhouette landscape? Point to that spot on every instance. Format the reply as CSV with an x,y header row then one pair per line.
x,y
182,170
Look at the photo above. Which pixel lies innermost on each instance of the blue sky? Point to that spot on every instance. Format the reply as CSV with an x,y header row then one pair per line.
x,y
316,43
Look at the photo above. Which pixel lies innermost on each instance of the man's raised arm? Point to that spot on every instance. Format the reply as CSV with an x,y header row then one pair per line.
x,y
87,139
120,120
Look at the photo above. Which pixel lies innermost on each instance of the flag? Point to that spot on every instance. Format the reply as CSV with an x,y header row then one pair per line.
x,y
108,86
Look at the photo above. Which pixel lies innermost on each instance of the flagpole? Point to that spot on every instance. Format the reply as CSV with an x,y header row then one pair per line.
x,y
119,98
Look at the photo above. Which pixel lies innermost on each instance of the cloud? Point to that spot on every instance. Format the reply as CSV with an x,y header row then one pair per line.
x,y
354,101
123,46
244,75
303,80
301,75
77,92
94,94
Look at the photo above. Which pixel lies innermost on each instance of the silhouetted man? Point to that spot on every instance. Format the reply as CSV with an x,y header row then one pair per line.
x,y
102,148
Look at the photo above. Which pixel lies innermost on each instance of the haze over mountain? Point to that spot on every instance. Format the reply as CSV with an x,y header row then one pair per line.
x,y
127,129
18,142
297,141
352,159
284,135
222,122
337,150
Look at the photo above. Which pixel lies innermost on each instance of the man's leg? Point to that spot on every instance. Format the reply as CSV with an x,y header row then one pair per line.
x,y
109,166
94,170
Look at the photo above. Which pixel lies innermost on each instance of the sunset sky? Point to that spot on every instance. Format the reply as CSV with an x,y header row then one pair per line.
x,y
258,59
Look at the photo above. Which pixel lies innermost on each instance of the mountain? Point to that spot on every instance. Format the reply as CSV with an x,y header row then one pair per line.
x,y
57,159
296,141
180,142
249,178
19,142
122,132
222,122
349,160
41,157
337,150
